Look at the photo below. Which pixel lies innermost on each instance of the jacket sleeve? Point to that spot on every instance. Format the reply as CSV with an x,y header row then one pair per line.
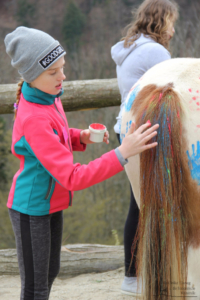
x,y
75,140
58,160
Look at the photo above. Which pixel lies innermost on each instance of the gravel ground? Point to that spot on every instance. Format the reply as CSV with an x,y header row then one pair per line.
x,y
95,286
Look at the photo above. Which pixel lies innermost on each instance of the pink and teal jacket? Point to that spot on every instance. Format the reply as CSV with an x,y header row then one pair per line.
x,y
44,145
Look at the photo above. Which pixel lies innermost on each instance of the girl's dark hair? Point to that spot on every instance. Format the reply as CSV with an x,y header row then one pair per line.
x,y
151,18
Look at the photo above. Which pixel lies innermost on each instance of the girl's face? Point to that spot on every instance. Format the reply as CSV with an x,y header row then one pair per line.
x,y
50,81
170,29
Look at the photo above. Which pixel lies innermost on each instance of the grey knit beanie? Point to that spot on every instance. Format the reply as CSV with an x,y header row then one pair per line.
x,y
32,51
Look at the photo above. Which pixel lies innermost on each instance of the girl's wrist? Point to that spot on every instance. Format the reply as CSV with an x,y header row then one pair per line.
x,y
122,160
123,152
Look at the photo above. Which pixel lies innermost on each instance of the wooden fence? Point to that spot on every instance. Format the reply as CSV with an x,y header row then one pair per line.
x,y
75,259
78,95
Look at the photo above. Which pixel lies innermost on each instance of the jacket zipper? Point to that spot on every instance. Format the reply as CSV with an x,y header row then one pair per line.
x,y
65,125
70,194
49,188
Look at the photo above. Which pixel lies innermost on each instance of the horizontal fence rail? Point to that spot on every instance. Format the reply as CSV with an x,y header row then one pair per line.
x,y
78,95
75,259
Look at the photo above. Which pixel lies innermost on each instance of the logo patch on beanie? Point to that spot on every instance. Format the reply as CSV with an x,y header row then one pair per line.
x,y
48,59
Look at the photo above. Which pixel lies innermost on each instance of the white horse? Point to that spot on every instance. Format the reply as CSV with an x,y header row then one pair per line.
x,y
166,180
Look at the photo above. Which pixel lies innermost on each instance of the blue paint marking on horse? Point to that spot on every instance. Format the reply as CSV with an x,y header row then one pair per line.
x,y
128,125
131,98
194,162
122,136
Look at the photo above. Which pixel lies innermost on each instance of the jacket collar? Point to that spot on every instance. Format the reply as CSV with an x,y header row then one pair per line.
x,y
37,96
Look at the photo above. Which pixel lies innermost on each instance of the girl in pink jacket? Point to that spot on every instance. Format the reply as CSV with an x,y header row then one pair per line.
x,y
44,144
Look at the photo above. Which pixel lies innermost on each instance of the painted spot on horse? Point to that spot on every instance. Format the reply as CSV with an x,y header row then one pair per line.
x,y
131,97
195,97
128,125
194,162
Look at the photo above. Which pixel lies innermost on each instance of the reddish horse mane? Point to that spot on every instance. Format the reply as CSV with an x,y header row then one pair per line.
x,y
169,215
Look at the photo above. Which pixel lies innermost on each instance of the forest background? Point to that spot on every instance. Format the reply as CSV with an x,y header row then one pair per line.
x,y
87,29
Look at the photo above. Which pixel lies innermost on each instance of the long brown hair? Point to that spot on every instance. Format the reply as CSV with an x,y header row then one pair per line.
x,y
169,214
18,93
151,18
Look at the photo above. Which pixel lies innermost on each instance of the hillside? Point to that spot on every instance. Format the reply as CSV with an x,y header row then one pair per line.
x,y
100,26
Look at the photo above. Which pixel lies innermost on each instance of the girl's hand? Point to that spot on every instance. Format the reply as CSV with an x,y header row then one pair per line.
x,y
135,141
85,135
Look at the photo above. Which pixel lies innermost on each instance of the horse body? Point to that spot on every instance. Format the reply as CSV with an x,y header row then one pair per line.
x,y
166,179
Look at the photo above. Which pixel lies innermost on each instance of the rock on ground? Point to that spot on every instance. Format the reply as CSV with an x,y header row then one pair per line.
x,y
95,286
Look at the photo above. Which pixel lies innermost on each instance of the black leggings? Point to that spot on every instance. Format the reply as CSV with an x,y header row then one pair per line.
x,y
38,240
129,233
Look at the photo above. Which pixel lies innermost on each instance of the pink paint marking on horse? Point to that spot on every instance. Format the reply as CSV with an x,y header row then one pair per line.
x,y
152,99
169,128
160,96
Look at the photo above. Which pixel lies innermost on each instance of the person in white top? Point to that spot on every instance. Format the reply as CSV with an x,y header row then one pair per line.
x,y
145,45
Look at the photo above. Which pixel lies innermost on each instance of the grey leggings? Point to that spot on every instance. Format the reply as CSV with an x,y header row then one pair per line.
x,y
38,241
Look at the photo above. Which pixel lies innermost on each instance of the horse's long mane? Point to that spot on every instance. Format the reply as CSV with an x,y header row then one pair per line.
x,y
169,218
